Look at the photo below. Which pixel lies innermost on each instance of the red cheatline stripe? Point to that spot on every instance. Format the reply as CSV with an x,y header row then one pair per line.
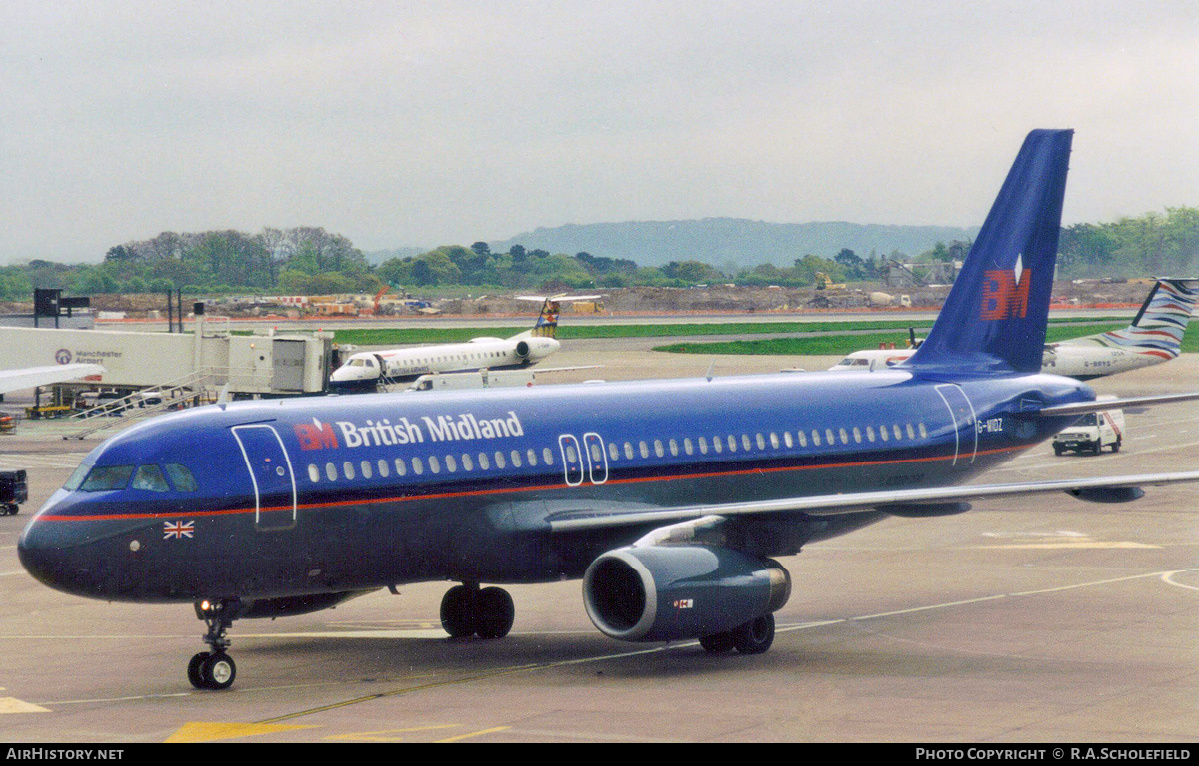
x,y
484,492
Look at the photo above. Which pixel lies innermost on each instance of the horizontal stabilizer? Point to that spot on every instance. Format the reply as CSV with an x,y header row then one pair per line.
x,y
1082,408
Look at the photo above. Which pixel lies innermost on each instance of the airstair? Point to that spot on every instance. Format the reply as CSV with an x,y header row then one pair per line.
x,y
135,406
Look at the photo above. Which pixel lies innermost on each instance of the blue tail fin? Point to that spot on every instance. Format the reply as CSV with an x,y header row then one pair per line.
x,y
994,318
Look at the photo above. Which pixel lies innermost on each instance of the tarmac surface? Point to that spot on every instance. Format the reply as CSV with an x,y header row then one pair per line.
x,y
1038,620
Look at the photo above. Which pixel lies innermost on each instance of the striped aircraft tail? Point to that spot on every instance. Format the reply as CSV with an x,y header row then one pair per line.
x,y
1158,327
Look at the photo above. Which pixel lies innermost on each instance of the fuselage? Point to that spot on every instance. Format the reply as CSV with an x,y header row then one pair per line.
x,y
259,500
1081,362
365,370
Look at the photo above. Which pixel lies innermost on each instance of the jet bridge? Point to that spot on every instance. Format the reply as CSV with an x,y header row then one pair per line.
x,y
268,364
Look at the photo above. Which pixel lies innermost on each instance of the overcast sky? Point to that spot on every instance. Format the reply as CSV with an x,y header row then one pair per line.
x,y
413,123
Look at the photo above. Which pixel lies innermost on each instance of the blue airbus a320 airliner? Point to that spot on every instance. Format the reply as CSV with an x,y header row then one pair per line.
x,y
670,498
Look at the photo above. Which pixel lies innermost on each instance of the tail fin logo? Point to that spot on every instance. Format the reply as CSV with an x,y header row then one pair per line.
x,y
547,322
1005,294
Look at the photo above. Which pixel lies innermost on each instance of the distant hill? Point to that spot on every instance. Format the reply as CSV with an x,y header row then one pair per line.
x,y
719,241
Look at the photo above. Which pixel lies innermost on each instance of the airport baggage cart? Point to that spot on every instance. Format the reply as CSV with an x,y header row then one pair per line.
x,y
13,491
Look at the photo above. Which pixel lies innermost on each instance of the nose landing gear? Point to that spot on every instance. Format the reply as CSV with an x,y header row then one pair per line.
x,y
214,669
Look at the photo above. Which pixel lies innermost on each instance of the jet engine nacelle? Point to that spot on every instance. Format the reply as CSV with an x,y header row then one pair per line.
x,y
669,592
522,349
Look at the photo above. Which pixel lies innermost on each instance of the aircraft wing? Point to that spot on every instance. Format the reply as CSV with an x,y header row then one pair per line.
x,y
933,501
29,377
1099,405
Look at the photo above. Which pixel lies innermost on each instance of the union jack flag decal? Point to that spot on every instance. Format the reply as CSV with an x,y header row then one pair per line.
x,y
178,529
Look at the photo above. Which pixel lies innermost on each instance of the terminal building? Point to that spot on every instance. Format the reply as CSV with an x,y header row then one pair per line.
x,y
211,359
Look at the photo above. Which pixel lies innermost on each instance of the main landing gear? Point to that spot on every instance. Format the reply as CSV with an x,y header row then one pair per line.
x,y
214,669
754,637
467,610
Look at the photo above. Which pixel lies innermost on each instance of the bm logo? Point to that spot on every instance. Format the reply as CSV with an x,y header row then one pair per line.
x,y
1005,294
316,436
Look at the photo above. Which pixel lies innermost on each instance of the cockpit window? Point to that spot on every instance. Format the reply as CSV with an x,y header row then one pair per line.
x,y
181,477
104,477
150,477
77,477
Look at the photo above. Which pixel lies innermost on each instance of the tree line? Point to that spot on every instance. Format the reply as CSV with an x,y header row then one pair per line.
x,y
312,261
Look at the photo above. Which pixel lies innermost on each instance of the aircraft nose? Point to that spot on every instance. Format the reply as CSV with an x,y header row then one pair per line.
x,y
43,555
50,551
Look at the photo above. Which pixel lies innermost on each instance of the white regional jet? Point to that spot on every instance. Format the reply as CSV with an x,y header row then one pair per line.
x,y
365,371
1155,336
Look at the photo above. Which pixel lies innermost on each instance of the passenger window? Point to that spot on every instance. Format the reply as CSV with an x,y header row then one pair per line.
x,y
628,451
451,465
532,457
383,468
417,466
104,477
314,473
732,443
857,435
774,441
761,441
883,434
897,432
703,446
803,438
348,469
467,465
515,458
613,452
597,455
644,449
547,456
483,462
499,459
331,472
150,477
717,444
687,447
658,450
401,467
366,469
181,477
870,433
745,442
815,437
674,447
787,439
923,431
434,465
911,431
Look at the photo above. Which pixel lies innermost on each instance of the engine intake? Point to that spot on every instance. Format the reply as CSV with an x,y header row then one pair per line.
x,y
522,349
671,592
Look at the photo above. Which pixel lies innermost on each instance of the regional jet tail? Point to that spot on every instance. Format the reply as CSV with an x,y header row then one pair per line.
x,y
672,500
1155,336
369,371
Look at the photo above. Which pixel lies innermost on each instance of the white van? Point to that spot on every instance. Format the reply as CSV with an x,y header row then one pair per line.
x,y
446,381
1092,433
